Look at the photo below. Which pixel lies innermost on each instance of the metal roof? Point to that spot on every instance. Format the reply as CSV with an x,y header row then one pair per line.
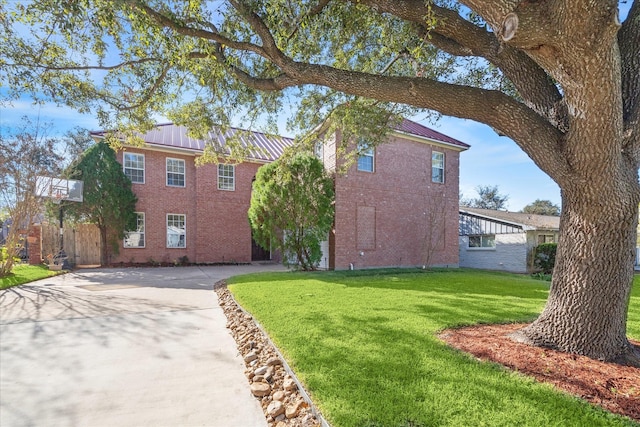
x,y
413,128
261,146
525,220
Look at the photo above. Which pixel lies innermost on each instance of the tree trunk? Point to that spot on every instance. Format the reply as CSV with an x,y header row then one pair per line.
x,y
586,311
104,246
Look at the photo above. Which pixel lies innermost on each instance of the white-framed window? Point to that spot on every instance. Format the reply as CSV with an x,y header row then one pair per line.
x,y
484,241
366,157
176,231
226,177
135,239
437,167
175,172
134,167
318,149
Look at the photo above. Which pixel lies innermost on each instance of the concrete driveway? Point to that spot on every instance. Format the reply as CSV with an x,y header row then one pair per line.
x,y
123,347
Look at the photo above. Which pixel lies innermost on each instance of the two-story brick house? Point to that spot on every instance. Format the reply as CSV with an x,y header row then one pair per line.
x,y
397,206
189,213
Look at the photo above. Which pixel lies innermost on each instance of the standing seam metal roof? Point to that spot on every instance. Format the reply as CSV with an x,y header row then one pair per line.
x,y
261,146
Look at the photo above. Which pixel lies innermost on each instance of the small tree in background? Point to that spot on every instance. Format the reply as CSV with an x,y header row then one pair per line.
x,y
292,208
108,202
489,197
24,154
542,207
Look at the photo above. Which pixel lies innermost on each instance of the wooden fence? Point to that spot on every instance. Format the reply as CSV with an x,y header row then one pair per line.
x,y
81,243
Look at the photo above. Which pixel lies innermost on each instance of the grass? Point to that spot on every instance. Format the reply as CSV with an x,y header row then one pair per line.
x,y
364,344
24,273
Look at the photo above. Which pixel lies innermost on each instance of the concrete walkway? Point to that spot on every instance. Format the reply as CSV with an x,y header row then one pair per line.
x,y
123,347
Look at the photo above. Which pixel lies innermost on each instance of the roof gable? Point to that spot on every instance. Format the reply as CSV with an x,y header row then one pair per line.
x,y
416,129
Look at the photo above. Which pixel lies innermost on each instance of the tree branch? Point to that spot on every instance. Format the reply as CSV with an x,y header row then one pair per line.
x,y
164,21
83,67
459,37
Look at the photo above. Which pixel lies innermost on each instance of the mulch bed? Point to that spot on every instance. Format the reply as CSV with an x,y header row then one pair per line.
x,y
614,387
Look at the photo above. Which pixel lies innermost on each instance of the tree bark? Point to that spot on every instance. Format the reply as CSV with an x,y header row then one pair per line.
x,y
586,311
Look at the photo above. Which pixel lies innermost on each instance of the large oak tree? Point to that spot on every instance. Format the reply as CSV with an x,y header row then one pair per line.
x,y
561,79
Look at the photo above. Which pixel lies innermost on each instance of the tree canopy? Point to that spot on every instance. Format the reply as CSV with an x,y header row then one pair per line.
x,y
489,197
109,201
292,208
561,79
542,207
25,154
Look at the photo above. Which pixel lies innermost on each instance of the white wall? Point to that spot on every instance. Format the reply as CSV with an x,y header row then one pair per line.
x,y
510,254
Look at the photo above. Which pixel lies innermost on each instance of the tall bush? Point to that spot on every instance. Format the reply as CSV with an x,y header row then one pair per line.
x,y
545,257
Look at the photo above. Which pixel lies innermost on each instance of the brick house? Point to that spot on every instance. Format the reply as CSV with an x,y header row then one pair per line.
x,y
195,212
395,207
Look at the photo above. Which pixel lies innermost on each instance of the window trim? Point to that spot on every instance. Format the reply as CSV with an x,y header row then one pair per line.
x,y
232,177
184,216
124,167
184,173
365,151
482,238
143,232
433,154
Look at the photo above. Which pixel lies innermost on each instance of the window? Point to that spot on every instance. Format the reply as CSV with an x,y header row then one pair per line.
x,y
135,239
365,158
175,172
546,238
437,167
176,231
318,149
486,241
226,177
134,167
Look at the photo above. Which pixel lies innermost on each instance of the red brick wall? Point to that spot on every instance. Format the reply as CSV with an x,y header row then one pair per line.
x,y
217,228
408,209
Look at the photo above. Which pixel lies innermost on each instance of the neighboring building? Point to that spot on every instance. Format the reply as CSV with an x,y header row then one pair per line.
x,y
501,240
188,213
396,205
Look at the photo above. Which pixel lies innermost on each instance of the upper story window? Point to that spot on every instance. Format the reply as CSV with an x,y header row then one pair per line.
x,y
318,150
366,156
134,167
135,239
226,177
175,172
485,241
437,167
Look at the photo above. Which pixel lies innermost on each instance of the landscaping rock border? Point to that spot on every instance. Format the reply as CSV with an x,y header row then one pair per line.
x,y
283,399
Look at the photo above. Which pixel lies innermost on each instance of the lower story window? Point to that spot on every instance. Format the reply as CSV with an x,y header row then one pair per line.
x,y
484,241
176,231
135,238
546,238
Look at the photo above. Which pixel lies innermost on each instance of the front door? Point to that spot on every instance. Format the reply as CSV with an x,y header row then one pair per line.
x,y
258,253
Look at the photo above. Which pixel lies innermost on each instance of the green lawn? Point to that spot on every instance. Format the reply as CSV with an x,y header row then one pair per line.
x,y
364,345
24,273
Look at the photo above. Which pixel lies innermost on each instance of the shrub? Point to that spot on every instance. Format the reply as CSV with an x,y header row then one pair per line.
x,y
545,257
